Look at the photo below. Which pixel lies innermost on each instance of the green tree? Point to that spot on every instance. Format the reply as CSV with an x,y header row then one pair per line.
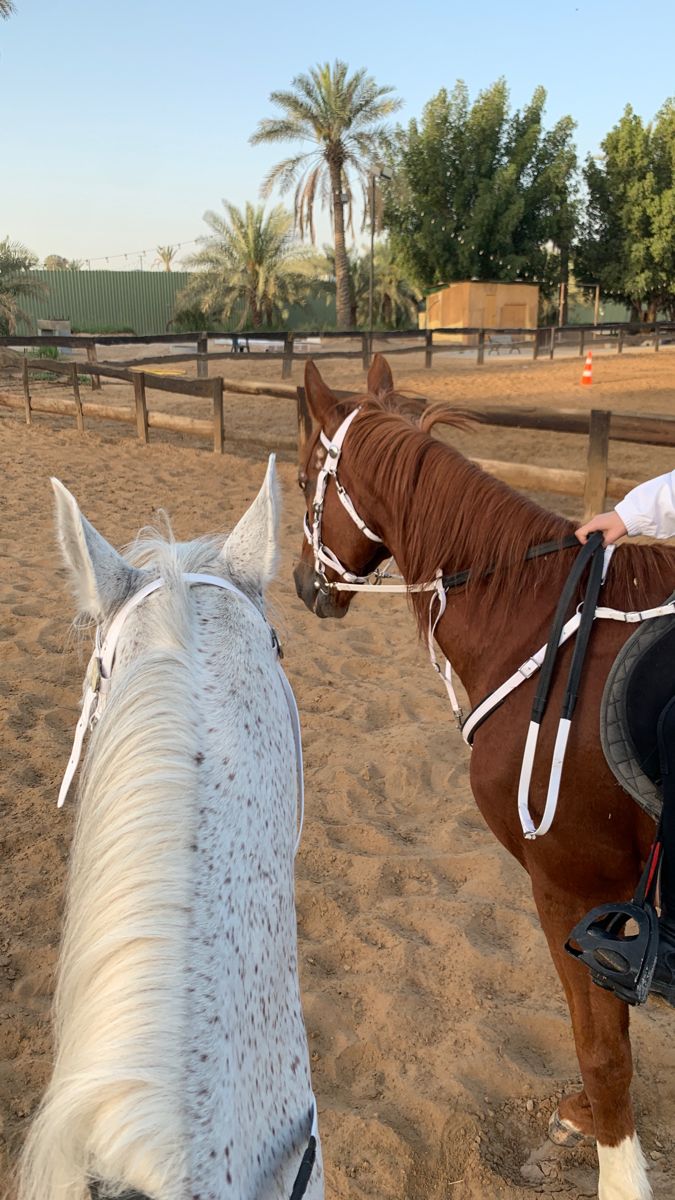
x,y
16,264
478,193
250,270
341,117
627,237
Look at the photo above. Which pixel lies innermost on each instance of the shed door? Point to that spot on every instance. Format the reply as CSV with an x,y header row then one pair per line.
x,y
490,311
514,316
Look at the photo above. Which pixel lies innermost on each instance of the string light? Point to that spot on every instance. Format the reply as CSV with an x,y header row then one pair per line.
x,y
137,253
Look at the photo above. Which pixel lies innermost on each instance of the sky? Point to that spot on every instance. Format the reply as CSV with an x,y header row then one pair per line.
x,y
123,122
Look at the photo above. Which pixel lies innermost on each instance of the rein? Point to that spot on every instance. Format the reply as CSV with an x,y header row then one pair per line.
x,y
544,658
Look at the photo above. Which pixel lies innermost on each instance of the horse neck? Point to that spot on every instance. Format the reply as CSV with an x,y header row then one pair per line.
x,y
182,892
461,518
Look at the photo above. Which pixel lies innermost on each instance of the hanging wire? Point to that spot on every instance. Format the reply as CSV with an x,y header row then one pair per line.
x,y
136,253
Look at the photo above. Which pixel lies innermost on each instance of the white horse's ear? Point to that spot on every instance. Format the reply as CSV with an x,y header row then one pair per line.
x,y
250,551
100,577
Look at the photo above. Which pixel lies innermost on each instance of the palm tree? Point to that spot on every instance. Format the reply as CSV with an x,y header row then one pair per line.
x,y
6,8
16,263
165,256
341,116
358,277
394,297
251,268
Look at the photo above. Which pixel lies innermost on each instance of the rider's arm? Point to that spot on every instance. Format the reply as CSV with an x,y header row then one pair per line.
x,y
650,508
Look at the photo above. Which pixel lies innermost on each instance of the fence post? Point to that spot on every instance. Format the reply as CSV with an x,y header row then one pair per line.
x,y
218,431
365,351
79,418
287,361
304,424
202,350
551,348
619,342
535,347
657,340
596,462
92,358
141,406
480,352
582,342
428,347
26,390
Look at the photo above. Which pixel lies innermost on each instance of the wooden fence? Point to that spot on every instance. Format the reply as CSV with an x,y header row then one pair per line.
x,y
599,426
138,415
540,343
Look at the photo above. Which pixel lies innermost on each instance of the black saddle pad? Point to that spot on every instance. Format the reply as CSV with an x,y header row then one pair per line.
x,y
639,685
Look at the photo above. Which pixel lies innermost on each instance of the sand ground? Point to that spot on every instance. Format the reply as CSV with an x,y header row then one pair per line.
x,y
439,1034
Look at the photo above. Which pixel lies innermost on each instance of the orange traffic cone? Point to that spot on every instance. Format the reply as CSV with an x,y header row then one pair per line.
x,y
587,377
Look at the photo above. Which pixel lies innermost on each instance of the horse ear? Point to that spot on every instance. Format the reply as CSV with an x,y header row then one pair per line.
x,y
380,378
250,551
101,579
320,399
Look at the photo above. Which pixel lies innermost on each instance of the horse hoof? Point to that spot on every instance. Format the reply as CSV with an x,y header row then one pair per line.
x,y
564,1133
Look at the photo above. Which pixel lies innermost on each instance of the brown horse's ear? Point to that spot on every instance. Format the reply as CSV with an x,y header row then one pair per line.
x,y
319,396
380,378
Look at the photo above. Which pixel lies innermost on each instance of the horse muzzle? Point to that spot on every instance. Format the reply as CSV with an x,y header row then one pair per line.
x,y
311,589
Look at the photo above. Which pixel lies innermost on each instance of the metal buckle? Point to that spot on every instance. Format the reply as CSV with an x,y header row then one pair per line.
x,y
528,668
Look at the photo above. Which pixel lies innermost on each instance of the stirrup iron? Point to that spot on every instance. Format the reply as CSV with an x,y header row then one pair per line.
x,y
622,963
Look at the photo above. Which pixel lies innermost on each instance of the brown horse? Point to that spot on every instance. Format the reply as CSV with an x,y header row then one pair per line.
x,y
432,509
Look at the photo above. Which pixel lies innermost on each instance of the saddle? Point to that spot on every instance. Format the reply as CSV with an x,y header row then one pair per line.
x,y
638,687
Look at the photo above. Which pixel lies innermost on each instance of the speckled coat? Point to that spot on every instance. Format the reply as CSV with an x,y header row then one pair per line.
x,y
181,1067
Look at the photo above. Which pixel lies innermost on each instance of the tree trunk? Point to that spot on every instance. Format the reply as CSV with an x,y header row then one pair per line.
x,y
342,302
256,315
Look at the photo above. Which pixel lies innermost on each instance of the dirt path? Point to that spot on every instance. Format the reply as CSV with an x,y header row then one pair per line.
x,y
439,1034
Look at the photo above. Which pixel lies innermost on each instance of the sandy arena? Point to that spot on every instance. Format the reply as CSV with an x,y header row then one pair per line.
x,y
439,1035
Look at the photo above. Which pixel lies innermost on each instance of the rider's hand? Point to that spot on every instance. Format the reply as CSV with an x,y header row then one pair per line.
x,y
609,523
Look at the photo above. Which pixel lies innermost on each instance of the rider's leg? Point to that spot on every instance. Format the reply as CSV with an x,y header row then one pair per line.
x,y
663,982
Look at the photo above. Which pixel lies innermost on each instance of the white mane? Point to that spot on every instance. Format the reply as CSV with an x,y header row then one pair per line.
x,y
184,838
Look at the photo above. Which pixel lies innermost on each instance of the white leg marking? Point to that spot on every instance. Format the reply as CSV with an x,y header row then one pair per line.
x,y
623,1171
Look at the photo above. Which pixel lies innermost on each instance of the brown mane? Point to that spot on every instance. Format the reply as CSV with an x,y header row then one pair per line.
x,y
453,515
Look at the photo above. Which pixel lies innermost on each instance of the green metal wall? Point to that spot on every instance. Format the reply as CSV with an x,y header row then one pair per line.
x,y
107,300
115,301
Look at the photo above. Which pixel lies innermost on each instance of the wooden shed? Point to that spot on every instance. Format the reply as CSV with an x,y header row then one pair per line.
x,y
482,304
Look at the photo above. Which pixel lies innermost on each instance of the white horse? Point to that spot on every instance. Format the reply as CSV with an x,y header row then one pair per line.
x,y
181,1068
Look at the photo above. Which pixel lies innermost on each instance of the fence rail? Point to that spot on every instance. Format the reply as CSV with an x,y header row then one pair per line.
x,y
541,342
600,426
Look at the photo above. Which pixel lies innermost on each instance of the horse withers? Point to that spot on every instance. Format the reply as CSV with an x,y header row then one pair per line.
x,y
181,1065
400,492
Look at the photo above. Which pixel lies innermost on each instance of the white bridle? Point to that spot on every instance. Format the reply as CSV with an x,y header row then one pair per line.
x,y
324,557
102,661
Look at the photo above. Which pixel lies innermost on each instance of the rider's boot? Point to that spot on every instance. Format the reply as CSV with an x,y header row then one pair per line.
x,y
663,980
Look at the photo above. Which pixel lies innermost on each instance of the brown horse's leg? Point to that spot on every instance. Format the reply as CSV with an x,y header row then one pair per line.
x,y
600,1024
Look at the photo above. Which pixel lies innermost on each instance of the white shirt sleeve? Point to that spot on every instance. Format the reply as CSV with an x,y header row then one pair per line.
x,y
650,508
